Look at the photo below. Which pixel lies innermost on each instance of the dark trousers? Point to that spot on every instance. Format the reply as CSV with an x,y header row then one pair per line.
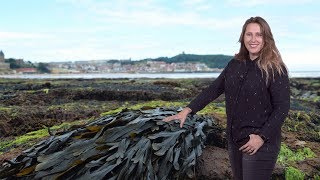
x,y
253,167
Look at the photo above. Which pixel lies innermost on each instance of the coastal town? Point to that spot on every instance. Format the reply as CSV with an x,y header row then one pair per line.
x,y
126,66
20,66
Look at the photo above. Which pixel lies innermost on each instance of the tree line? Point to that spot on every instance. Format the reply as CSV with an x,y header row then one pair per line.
x,y
16,64
212,61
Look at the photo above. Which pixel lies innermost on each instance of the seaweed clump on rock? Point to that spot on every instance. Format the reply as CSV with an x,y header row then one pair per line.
x,y
127,145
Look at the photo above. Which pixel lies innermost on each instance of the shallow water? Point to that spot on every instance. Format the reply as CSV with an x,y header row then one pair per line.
x,y
296,74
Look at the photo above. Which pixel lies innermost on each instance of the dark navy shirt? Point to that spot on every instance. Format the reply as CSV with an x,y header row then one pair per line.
x,y
252,105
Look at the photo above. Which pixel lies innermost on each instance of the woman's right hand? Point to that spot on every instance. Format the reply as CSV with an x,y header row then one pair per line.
x,y
181,116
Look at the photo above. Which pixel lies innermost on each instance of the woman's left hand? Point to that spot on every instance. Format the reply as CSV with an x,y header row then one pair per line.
x,y
253,145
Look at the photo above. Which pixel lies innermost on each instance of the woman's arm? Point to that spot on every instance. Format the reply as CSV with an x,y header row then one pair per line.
x,y
280,100
210,93
204,98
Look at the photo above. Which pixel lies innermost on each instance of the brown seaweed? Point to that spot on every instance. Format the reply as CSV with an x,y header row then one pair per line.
x,y
126,145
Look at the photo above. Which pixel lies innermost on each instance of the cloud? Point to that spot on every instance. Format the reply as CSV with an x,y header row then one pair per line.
x,y
197,5
252,3
302,59
160,18
153,13
70,54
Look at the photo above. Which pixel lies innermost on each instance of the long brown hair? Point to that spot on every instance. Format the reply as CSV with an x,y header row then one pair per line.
x,y
270,59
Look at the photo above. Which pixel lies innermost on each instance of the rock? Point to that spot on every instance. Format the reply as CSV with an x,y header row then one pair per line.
x,y
278,172
310,167
4,128
214,164
300,143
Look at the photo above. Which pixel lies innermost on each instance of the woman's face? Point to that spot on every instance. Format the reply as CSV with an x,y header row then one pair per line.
x,y
253,40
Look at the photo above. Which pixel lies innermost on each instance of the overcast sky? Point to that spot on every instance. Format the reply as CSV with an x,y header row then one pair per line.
x,y
69,30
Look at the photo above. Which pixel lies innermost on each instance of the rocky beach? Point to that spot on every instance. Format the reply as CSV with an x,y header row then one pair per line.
x,y
32,110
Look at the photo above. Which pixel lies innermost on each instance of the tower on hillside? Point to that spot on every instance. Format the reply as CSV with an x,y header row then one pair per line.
x,y
1,57
3,66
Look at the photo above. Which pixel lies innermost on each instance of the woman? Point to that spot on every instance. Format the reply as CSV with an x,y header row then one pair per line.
x,y
257,94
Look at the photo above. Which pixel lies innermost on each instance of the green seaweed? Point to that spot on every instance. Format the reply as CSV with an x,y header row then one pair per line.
x,y
24,139
209,109
147,104
304,124
316,177
5,109
214,107
31,137
292,173
287,156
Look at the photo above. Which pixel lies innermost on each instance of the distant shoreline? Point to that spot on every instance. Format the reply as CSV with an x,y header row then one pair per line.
x,y
181,75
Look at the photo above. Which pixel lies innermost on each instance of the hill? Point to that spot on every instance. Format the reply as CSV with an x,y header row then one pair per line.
x,y
212,61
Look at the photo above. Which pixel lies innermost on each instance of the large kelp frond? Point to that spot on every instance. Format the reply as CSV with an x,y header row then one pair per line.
x,y
127,145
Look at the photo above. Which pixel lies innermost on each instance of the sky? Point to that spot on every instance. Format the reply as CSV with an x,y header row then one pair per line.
x,y
70,30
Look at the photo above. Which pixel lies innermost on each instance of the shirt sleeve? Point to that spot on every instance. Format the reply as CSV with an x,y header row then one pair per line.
x,y
280,100
209,94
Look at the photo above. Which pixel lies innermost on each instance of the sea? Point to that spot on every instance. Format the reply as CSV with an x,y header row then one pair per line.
x,y
296,74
